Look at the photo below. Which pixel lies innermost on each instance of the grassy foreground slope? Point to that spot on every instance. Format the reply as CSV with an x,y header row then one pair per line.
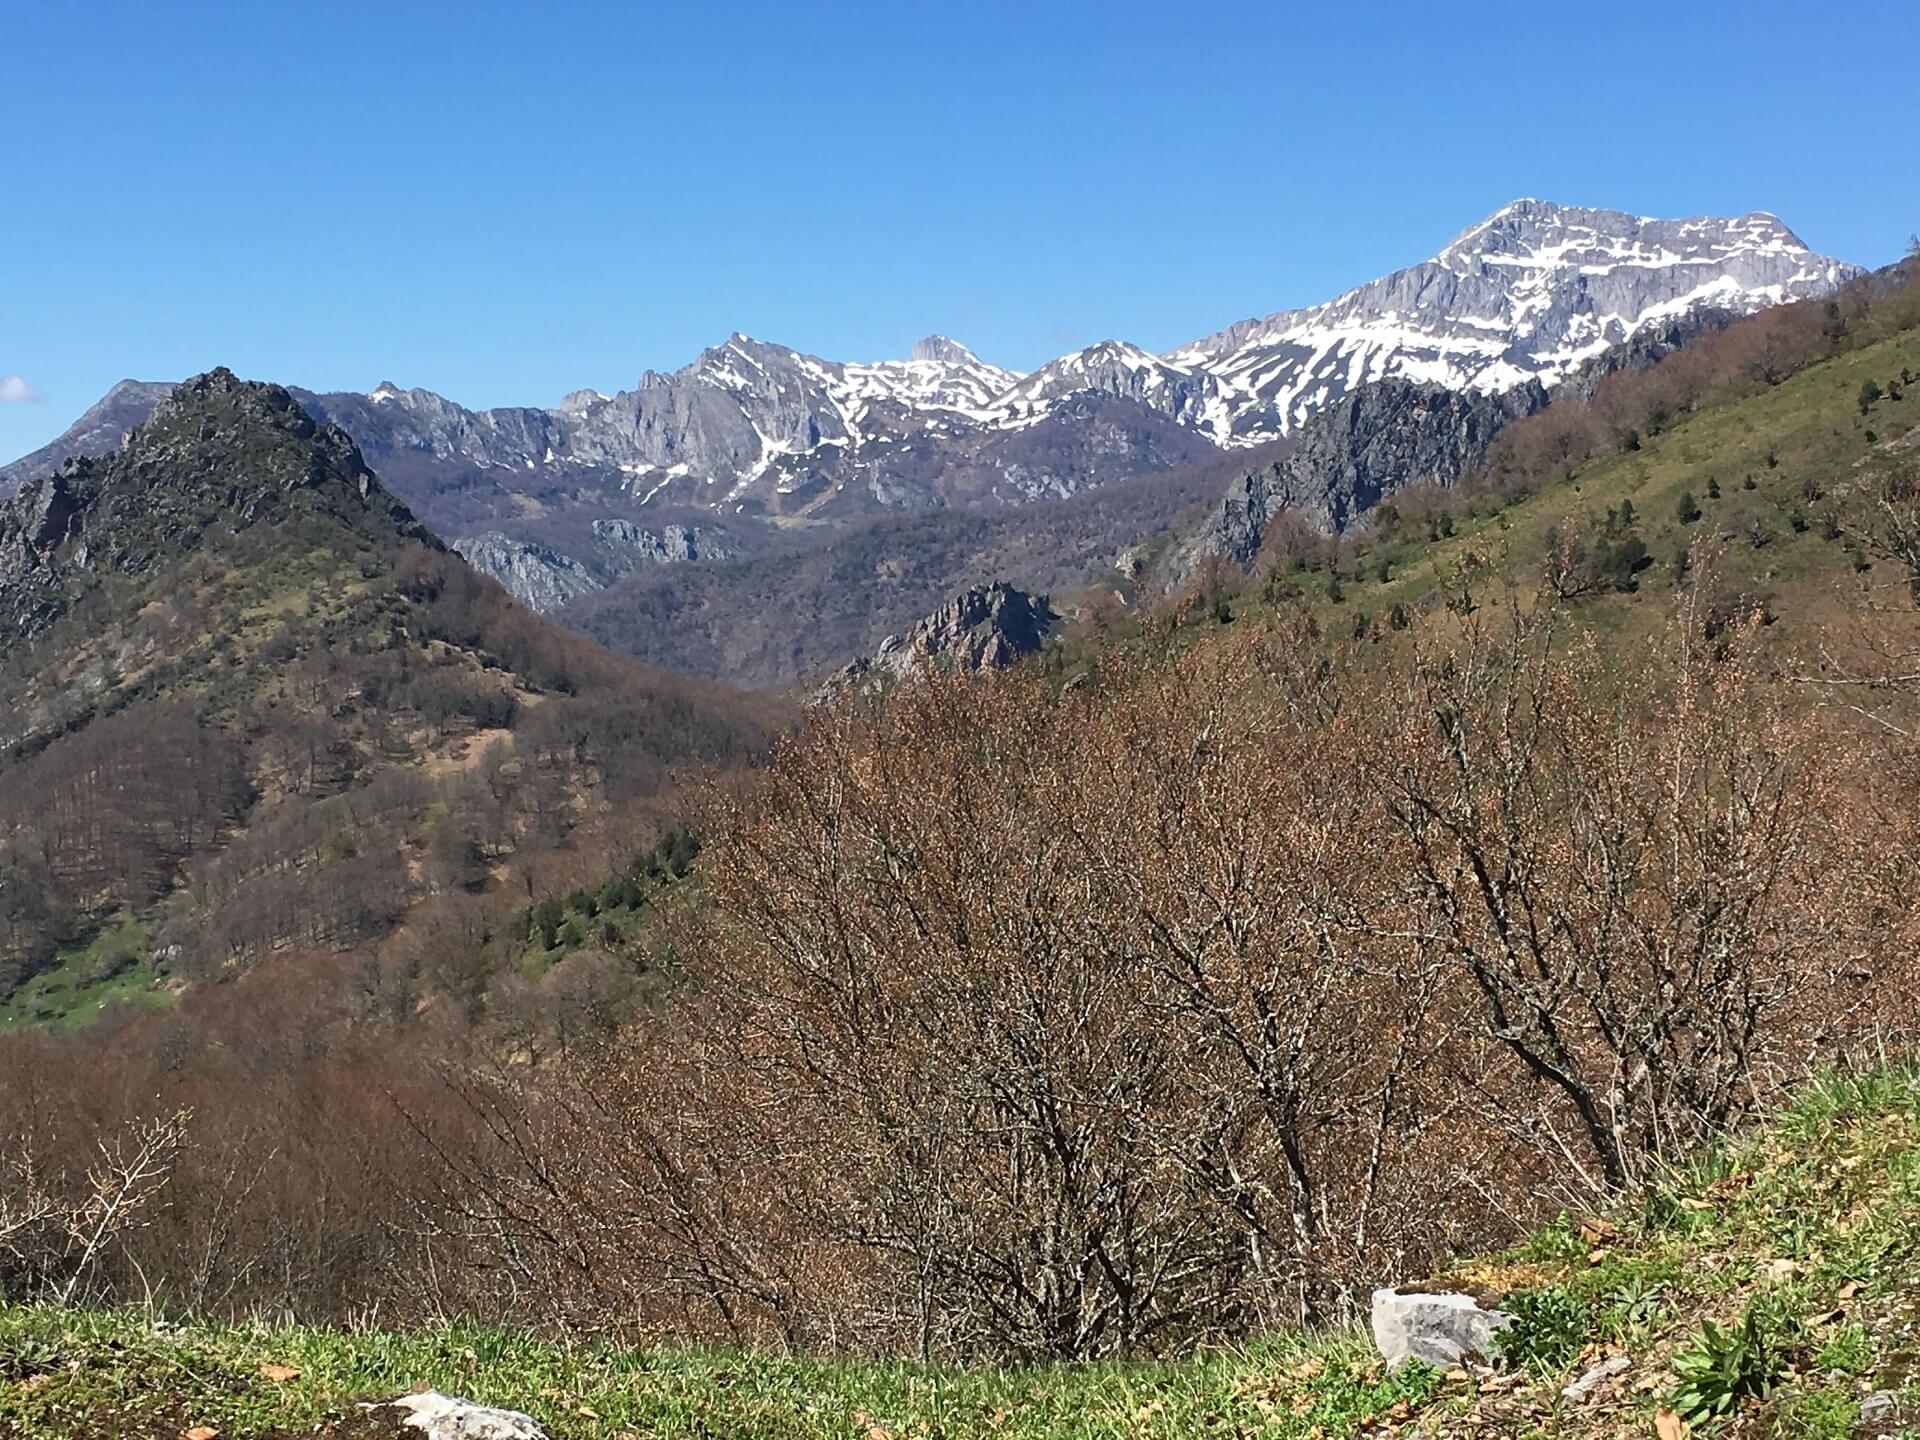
x,y
1767,1290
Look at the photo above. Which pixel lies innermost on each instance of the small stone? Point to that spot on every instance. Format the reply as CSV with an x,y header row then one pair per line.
x,y
1584,1387
1879,1407
443,1417
1444,1329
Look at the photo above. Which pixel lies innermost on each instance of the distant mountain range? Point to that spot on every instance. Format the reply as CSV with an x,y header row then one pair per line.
x,y
757,438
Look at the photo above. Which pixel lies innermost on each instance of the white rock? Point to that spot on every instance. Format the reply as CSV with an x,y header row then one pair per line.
x,y
443,1417
1443,1329
1879,1407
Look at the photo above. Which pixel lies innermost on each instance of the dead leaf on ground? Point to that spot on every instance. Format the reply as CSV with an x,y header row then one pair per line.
x,y
278,1374
200,1432
1668,1425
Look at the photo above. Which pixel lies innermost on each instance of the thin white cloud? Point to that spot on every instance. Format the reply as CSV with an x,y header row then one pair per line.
x,y
14,390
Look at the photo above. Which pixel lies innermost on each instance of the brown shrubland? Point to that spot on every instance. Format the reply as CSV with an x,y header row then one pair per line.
x,y
1047,1024
1037,1023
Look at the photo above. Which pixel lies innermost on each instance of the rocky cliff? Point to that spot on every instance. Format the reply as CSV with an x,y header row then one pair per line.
x,y
1372,442
986,628
545,578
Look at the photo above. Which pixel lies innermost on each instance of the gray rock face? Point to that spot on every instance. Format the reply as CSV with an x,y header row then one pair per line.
x,y
1346,459
1444,1330
539,577
545,578
986,628
391,421
942,350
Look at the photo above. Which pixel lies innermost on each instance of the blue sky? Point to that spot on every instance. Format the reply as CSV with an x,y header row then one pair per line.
x,y
506,202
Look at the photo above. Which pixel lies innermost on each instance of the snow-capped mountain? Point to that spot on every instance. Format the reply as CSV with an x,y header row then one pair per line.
x,y
1531,292
1114,367
750,428
751,425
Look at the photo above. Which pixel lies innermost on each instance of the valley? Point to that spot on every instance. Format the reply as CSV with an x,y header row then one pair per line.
x,y
1351,876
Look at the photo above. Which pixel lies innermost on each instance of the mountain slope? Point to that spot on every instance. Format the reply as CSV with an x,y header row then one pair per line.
x,y
748,427
1741,475
1531,292
288,714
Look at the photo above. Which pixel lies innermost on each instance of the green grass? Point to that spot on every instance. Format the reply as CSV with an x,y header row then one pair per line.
x,y
1810,1225
1800,439
116,965
64,1374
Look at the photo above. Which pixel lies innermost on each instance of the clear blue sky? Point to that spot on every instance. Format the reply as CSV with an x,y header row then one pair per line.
x,y
505,202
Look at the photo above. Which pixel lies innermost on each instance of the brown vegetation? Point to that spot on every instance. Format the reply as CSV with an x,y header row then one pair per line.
x,y
1007,1018
1035,1024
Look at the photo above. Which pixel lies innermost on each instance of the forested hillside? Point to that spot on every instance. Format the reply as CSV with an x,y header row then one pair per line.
x,y
252,707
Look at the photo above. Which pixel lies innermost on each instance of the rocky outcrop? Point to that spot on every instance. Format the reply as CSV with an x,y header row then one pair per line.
x,y
538,576
1374,441
630,547
219,456
545,578
1443,1329
986,628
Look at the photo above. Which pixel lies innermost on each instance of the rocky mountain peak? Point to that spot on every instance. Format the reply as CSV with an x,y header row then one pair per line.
x,y
253,436
218,455
943,349
1533,292
581,402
